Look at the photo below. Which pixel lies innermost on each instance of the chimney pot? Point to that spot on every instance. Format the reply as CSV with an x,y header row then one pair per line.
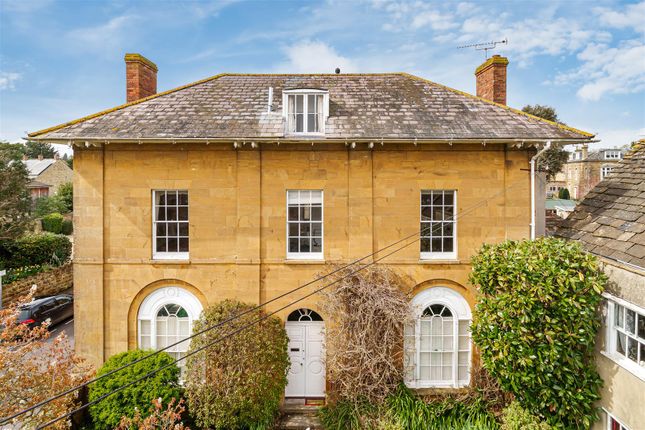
x,y
141,77
56,156
40,157
24,157
491,79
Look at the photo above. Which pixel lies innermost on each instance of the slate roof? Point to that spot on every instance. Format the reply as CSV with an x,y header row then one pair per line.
x,y
610,221
35,166
388,106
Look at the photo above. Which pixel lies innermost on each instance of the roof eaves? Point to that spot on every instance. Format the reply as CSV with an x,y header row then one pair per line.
x,y
517,111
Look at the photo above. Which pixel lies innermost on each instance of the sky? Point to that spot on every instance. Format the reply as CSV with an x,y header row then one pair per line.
x,y
60,60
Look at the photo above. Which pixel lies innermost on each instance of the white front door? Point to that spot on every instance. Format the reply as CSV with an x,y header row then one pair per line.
x,y
307,372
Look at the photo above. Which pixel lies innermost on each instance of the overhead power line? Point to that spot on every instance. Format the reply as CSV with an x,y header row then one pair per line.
x,y
237,316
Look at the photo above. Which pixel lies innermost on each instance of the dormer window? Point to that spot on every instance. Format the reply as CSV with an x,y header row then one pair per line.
x,y
612,155
306,111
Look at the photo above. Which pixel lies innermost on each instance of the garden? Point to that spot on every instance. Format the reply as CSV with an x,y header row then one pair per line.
x,y
34,234
534,327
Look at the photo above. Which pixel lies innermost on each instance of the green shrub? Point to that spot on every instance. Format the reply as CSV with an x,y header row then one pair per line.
x,y
535,324
13,275
36,249
515,417
53,223
237,383
68,227
163,385
48,205
65,194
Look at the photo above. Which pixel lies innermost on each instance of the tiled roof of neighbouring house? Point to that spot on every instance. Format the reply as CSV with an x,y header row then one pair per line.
x,y
610,221
388,106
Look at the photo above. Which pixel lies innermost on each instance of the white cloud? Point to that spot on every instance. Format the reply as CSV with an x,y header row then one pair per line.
x,y
8,80
107,37
433,19
617,137
608,70
315,57
633,16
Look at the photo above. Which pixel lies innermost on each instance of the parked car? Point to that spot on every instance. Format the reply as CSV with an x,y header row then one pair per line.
x,y
55,308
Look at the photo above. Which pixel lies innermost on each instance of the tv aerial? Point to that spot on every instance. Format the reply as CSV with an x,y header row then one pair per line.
x,y
485,46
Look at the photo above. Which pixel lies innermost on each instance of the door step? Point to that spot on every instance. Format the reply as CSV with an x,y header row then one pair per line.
x,y
296,415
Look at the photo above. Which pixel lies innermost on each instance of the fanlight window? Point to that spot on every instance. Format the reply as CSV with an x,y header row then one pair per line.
x,y
437,344
303,314
165,318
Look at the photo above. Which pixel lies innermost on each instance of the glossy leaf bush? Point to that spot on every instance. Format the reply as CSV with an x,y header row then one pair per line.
x,y
237,380
535,324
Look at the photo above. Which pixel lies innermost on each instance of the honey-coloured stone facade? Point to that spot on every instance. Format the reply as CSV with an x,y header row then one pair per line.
x,y
237,215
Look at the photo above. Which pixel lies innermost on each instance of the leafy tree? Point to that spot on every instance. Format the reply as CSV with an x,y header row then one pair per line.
x,y
12,151
237,383
535,324
164,385
15,201
542,111
553,159
34,368
65,194
564,194
34,149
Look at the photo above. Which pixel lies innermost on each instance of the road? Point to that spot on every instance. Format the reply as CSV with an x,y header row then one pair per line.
x,y
67,327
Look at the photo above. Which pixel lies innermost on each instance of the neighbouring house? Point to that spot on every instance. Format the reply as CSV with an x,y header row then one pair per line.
x,y
244,186
46,175
585,169
555,211
610,223
554,186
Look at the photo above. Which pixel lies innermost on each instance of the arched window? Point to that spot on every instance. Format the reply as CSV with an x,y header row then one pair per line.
x,y
304,314
437,344
165,317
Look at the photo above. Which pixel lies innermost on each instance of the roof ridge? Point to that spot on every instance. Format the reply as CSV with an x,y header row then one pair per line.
x,y
463,93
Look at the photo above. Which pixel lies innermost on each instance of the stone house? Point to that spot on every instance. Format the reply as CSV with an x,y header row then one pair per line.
x,y
244,186
584,170
46,175
610,223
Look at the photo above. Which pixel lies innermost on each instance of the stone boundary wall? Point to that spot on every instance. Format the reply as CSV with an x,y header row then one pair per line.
x,y
52,282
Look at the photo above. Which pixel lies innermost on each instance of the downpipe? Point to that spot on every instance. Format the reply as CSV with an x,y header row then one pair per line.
x,y
533,160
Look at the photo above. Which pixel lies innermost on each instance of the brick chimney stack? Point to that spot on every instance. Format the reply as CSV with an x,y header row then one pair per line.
x,y
491,79
141,77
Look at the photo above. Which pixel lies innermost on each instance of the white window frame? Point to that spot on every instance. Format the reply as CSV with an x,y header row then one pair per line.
x,y
305,92
159,298
439,255
613,155
612,334
610,417
164,255
605,171
306,255
461,312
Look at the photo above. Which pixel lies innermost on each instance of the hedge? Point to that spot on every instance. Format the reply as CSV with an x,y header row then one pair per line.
x,y
535,324
68,227
239,382
163,385
35,249
53,223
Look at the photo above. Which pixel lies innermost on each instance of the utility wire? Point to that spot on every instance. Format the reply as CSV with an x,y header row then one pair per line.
x,y
71,390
